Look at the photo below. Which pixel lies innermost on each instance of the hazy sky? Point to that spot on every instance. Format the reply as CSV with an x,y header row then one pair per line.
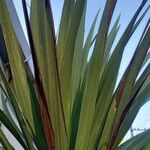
x,y
127,9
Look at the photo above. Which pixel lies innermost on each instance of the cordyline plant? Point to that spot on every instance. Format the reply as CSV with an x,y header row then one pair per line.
x,y
72,103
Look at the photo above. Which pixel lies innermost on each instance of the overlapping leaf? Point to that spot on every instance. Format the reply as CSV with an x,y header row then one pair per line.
x,y
45,49
72,102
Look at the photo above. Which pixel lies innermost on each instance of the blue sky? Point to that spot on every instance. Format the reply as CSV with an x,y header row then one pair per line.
x,y
127,9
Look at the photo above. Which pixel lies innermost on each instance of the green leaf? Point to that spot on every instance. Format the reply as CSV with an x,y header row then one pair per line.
x,y
88,44
4,141
67,61
110,40
65,23
146,147
134,66
16,23
76,115
136,143
140,83
25,95
72,102
103,136
127,99
47,63
12,129
77,58
106,89
146,59
121,44
140,19
7,108
93,75
17,111
139,101
17,67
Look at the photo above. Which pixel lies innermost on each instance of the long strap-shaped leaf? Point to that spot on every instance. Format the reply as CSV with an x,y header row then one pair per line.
x,y
117,54
128,91
106,88
88,44
137,142
8,117
67,60
18,28
46,60
18,112
93,74
130,77
135,64
146,58
110,40
132,113
11,128
25,95
76,115
77,58
134,68
146,146
104,100
4,141
41,93
17,70
140,95
64,28
9,112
